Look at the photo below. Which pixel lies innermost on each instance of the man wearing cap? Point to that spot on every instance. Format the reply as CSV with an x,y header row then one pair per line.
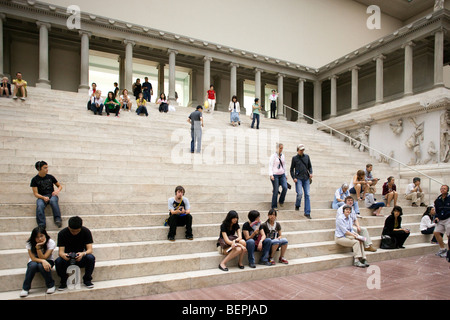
x,y
302,173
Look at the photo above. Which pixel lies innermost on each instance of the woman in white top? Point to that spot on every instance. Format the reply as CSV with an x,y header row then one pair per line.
x,y
426,223
235,111
40,249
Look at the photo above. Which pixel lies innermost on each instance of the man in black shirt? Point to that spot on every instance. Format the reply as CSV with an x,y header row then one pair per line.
x,y
301,173
75,239
42,186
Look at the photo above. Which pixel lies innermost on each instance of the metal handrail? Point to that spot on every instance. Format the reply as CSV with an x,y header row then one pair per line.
x,y
368,147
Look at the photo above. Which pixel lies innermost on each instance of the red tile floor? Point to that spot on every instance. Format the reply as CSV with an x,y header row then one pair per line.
x,y
414,278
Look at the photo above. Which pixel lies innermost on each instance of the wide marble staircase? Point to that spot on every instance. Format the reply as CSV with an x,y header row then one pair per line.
x,y
117,174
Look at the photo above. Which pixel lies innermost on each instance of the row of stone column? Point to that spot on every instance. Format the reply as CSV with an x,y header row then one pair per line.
x,y
408,74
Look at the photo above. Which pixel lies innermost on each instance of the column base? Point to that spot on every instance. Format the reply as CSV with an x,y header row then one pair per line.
x,y
173,102
41,83
281,117
83,89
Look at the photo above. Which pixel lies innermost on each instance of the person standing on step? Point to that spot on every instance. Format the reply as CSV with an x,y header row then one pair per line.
x,y
147,89
256,109
442,219
235,111
356,227
196,121
179,214
278,177
256,239
302,173
346,237
75,242
40,250
273,104
43,190
211,97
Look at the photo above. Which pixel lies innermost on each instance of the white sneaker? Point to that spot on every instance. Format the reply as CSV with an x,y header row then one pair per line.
x,y
14,97
23,293
51,290
23,99
442,253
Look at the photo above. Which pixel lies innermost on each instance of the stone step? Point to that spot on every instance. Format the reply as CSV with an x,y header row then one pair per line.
x,y
156,284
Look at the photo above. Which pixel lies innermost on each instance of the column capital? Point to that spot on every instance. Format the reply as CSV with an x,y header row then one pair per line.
x,y
207,58
440,29
379,57
357,68
233,64
169,51
126,41
299,80
334,76
258,70
82,32
43,24
408,44
281,75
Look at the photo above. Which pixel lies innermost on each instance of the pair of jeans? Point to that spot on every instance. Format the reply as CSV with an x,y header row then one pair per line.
x,y
176,220
34,267
255,117
142,109
251,246
302,186
87,262
278,180
196,135
96,109
40,207
273,109
147,95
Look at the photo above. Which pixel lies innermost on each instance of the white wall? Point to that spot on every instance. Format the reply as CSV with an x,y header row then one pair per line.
x,y
312,33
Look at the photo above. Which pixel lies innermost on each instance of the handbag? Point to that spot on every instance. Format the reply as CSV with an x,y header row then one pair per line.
x,y
387,242
222,246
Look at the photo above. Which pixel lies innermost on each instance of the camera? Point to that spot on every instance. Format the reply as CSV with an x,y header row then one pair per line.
x,y
72,256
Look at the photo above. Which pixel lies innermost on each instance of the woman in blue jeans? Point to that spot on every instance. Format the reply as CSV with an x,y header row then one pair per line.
x,y
40,249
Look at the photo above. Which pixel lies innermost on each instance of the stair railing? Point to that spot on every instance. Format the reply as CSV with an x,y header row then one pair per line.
x,y
353,140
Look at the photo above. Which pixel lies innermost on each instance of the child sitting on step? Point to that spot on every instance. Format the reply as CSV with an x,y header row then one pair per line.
x,y
371,204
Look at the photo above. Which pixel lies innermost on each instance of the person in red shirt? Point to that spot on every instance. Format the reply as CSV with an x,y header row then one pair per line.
x,y
211,96
390,191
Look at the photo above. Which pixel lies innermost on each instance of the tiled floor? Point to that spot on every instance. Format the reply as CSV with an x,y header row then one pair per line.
x,y
414,278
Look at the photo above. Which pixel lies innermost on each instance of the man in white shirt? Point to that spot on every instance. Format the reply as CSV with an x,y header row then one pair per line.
x,y
414,192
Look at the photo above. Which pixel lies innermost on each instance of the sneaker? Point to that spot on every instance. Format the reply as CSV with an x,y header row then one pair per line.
x,y
414,204
58,223
442,253
23,98
358,264
370,248
308,216
171,238
271,261
265,263
14,97
281,204
423,205
23,293
283,260
62,287
365,263
191,237
297,208
89,284
51,290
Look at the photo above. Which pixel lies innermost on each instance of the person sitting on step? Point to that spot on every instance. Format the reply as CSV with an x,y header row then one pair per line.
x,y
272,229
97,103
111,104
141,102
356,226
393,227
230,242
415,193
390,191
256,239
180,214
346,236
372,204
359,185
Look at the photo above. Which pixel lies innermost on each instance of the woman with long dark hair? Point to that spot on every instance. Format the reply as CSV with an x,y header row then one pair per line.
x,y
426,223
230,240
393,227
40,249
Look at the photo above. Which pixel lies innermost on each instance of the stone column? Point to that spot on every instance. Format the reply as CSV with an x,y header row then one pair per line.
x,y
355,88
160,81
43,81
280,103
193,89
301,100
206,74
171,96
2,55
333,103
408,68
439,58
84,66
318,100
258,84
379,95
233,79
129,65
